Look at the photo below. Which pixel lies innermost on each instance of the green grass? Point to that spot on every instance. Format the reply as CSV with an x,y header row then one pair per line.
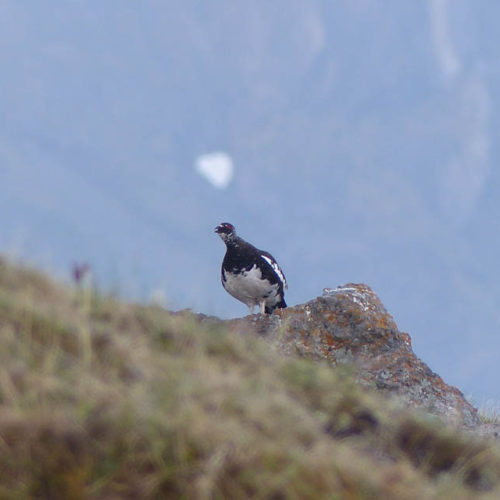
x,y
106,399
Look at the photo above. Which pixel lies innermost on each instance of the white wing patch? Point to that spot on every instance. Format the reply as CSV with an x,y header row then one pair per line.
x,y
276,269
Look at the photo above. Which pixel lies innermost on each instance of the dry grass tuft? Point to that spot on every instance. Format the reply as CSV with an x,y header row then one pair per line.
x,y
103,399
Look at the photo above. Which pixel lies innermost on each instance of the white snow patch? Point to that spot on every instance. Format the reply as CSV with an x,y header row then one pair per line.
x,y
217,168
353,293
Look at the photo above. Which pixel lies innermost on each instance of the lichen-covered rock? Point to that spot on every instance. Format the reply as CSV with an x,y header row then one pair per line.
x,y
350,325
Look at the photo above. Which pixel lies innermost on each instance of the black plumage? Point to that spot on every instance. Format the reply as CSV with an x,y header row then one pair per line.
x,y
251,275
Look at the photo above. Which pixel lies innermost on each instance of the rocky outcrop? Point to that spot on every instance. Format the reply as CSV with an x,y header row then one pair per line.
x,y
349,325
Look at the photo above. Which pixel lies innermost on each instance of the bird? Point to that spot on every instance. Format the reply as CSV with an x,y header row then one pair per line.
x,y
251,275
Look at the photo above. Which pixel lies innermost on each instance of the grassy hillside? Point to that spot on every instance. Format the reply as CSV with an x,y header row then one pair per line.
x,y
104,399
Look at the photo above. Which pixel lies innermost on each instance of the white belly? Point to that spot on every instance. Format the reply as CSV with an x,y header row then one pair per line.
x,y
250,288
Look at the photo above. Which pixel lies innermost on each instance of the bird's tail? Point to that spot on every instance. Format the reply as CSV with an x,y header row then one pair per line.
x,y
279,305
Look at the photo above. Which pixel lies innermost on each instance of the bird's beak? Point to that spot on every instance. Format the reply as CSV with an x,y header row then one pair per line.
x,y
216,230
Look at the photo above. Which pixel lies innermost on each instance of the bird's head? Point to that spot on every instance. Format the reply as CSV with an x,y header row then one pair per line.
x,y
226,231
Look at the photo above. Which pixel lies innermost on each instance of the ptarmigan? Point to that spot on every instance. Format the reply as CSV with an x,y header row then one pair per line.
x,y
249,274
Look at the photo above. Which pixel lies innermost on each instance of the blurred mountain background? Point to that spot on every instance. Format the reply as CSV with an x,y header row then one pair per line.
x,y
354,140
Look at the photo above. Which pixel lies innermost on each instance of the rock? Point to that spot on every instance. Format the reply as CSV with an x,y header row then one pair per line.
x,y
349,325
